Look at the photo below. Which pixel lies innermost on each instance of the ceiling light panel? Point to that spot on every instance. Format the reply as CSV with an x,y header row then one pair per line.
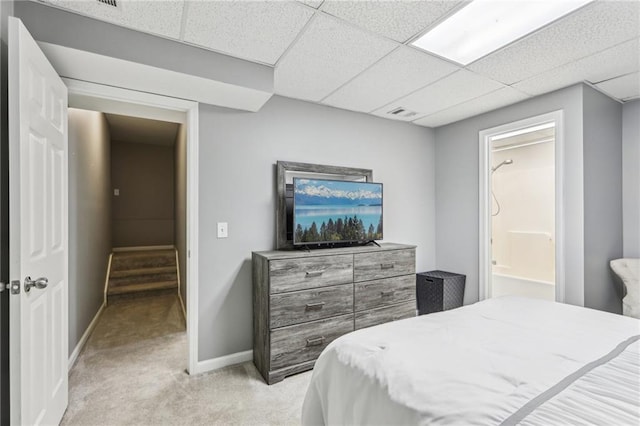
x,y
460,86
489,102
328,54
484,26
163,17
397,74
625,87
397,20
619,60
590,30
256,30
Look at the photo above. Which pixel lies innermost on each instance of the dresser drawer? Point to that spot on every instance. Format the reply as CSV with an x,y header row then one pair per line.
x,y
304,342
385,314
387,291
383,264
309,272
310,305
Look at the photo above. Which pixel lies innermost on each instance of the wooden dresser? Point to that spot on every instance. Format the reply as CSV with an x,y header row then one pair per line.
x,y
303,300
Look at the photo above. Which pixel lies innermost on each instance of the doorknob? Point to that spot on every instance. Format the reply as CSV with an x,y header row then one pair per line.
x,y
38,283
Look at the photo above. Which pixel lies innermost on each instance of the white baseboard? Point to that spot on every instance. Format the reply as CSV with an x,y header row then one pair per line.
x,y
223,361
83,340
142,248
184,310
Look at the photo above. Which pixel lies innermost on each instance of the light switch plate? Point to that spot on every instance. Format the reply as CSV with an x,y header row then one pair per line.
x,y
223,229
116,192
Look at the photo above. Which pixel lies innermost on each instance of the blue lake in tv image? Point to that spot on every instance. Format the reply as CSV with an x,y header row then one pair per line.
x,y
334,211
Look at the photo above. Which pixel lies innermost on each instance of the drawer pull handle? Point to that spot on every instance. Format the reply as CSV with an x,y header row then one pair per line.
x,y
387,293
314,306
386,266
316,341
311,274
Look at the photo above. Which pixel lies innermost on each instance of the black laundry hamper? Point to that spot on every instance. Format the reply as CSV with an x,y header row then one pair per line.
x,y
438,291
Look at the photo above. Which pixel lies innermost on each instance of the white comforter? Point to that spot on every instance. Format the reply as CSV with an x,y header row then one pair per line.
x,y
506,360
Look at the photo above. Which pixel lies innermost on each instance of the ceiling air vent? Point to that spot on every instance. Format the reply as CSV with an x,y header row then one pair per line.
x,y
402,112
109,2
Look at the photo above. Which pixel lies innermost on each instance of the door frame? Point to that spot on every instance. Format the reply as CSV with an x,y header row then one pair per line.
x,y
484,137
151,103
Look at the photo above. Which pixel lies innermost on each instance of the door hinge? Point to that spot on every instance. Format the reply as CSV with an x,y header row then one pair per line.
x,y
13,287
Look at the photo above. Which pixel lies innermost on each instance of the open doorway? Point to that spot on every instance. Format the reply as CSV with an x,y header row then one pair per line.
x,y
520,205
127,235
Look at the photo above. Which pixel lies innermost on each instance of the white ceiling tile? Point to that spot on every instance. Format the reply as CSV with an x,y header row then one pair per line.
x,y
397,74
162,17
459,87
592,29
623,88
313,3
328,54
619,60
398,20
489,102
256,30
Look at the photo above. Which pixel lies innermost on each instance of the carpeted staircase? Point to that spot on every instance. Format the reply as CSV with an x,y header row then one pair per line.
x,y
142,272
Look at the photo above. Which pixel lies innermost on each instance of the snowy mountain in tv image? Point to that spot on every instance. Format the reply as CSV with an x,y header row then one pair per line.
x,y
334,211
337,193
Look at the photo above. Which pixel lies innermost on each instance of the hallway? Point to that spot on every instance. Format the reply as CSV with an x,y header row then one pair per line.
x,y
132,371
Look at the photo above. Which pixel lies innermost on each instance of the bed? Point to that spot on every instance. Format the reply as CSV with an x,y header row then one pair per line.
x,y
506,360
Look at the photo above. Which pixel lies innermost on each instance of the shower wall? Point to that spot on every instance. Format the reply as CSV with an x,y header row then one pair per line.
x,y
523,231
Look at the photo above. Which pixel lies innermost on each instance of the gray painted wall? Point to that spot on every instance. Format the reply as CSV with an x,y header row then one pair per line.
x,y
143,213
89,217
180,228
238,152
631,178
45,24
602,198
457,188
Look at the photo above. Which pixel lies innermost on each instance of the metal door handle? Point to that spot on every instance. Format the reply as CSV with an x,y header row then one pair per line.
x,y
39,283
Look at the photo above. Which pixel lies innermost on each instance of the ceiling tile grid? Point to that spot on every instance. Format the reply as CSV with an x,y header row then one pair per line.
x,y
401,72
459,87
497,99
625,87
616,61
313,3
256,30
162,17
595,27
328,54
397,20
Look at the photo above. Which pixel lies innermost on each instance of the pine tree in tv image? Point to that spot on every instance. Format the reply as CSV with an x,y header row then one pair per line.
x,y
331,211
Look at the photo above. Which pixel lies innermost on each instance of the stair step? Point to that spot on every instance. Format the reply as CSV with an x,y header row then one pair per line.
x,y
122,261
141,279
143,271
137,288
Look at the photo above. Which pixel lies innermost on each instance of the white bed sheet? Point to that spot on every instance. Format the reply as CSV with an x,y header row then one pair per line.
x,y
479,365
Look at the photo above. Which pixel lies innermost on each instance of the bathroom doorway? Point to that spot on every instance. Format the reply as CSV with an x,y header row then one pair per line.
x,y
520,197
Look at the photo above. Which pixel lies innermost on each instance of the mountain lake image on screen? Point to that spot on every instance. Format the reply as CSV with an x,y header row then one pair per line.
x,y
334,211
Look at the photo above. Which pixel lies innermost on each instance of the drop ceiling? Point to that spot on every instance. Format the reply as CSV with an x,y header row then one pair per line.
x,y
356,55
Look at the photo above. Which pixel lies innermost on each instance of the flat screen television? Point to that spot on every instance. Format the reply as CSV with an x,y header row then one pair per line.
x,y
337,212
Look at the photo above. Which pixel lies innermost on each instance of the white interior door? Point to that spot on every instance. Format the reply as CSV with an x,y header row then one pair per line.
x,y
38,233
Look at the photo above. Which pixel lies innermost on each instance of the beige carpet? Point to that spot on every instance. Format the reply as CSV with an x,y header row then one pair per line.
x,y
132,372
